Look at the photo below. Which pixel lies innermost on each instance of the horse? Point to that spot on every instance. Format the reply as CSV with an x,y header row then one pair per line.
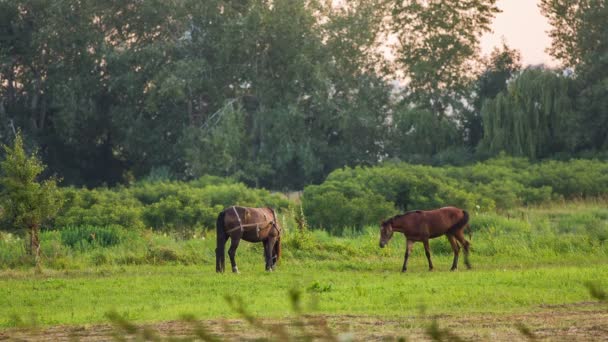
x,y
249,224
419,225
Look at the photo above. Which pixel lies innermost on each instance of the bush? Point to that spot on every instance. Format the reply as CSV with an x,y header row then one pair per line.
x,y
352,197
347,205
100,207
166,206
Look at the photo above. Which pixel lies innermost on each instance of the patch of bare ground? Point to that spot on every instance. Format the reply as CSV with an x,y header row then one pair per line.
x,y
585,321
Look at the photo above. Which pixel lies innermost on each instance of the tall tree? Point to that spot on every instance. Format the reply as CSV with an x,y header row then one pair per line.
x,y
438,45
115,89
580,40
305,75
27,203
578,29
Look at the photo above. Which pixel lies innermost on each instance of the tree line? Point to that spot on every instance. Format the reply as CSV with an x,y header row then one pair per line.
x,y
280,93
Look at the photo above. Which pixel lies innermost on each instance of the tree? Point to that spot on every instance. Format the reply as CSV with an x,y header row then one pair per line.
x,y
579,29
580,40
418,134
438,43
26,202
111,89
534,117
502,65
304,75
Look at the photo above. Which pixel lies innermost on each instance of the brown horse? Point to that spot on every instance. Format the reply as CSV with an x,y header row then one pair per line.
x,y
249,224
421,225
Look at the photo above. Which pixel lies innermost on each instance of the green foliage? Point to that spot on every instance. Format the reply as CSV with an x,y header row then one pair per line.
x,y
179,89
437,47
25,201
100,207
575,178
363,196
168,206
577,29
334,206
280,93
534,117
580,41
503,64
418,132
84,237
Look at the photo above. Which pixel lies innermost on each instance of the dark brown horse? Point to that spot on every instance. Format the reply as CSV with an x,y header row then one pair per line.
x,y
421,225
249,224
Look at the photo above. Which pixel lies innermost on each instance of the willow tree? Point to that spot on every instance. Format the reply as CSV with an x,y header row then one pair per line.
x,y
502,64
27,203
534,117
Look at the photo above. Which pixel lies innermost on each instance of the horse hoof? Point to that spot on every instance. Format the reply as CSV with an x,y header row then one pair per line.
x,y
235,270
453,269
403,271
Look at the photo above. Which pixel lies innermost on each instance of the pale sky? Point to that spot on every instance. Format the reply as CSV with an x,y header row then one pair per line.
x,y
524,28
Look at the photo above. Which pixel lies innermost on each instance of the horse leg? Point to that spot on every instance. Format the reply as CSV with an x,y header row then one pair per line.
x,y
427,251
234,244
220,254
408,251
268,244
455,249
465,244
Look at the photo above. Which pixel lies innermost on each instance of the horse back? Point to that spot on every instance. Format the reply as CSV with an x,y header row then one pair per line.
x,y
444,220
249,216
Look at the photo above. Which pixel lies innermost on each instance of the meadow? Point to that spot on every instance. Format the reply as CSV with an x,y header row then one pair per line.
x,y
525,261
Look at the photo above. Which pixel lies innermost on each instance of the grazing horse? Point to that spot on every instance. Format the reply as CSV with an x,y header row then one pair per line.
x,y
421,225
249,224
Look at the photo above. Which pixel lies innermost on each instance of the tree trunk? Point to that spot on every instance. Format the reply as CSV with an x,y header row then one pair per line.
x,y
35,243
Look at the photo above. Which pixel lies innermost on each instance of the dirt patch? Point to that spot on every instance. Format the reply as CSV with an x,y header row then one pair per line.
x,y
581,322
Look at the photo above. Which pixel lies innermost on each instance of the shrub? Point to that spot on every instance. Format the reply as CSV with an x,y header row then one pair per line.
x,y
165,205
348,205
351,197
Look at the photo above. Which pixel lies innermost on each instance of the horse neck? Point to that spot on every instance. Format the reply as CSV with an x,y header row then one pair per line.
x,y
403,225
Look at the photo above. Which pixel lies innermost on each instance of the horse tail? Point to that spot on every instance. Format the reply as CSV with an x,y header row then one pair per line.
x,y
465,217
220,242
277,243
277,248
219,224
466,224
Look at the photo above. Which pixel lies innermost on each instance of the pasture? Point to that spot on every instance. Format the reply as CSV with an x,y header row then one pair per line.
x,y
530,267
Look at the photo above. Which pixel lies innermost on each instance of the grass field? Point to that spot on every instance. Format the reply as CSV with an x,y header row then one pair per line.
x,y
527,263
164,293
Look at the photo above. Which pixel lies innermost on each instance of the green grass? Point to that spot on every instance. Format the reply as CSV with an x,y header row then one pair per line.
x,y
164,293
522,260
